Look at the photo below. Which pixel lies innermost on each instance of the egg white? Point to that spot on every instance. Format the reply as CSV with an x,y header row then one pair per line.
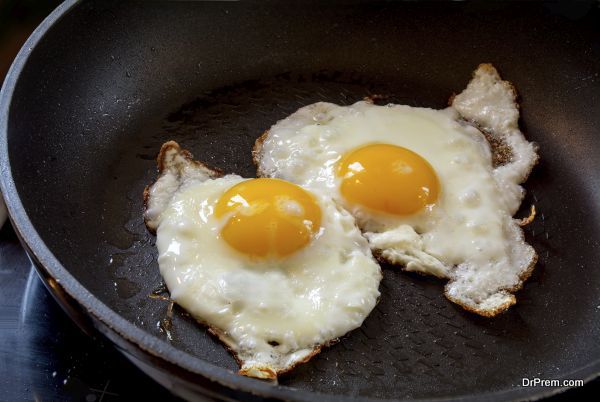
x,y
271,314
469,197
468,236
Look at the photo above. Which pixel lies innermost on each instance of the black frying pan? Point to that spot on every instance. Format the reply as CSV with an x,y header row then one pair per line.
x,y
101,85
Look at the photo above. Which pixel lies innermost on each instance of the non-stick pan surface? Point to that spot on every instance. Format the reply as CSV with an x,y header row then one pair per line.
x,y
101,85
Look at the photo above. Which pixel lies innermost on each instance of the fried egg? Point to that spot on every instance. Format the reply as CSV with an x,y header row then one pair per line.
x,y
423,184
274,270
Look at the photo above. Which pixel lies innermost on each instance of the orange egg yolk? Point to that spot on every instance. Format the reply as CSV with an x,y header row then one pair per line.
x,y
387,178
268,217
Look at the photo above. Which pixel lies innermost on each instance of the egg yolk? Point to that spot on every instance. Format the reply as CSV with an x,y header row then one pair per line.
x,y
387,178
268,217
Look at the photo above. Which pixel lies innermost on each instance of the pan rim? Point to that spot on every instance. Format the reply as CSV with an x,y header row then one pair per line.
x,y
147,342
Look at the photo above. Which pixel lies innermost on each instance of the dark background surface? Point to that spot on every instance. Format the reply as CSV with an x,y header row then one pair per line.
x,y
37,339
